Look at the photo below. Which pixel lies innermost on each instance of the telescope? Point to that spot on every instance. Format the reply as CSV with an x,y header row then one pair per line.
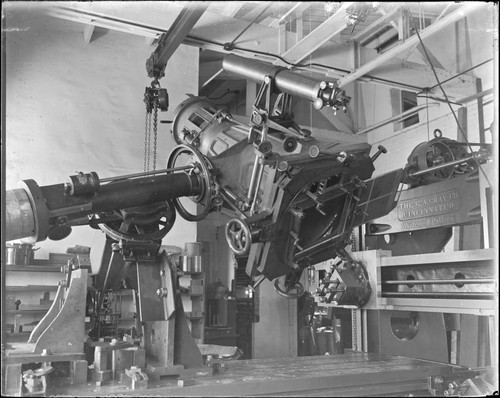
x,y
291,200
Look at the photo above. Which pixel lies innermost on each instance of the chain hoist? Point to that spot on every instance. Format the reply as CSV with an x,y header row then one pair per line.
x,y
147,140
155,132
155,98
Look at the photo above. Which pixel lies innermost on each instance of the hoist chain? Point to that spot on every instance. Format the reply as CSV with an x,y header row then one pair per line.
x,y
152,104
155,131
147,141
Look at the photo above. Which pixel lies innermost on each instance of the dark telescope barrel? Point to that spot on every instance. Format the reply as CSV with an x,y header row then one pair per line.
x,y
31,211
143,191
285,81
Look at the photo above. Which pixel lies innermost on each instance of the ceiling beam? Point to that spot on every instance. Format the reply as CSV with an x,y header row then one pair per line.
x,y
170,41
395,51
231,8
295,12
103,21
254,15
379,23
441,15
331,27
88,30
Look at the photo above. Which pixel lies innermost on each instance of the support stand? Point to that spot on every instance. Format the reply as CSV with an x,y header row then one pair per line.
x,y
59,337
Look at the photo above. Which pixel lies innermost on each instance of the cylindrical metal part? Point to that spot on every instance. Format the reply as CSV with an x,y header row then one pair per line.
x,y
142,191
12,257
196,264
255,170
257,188
437,281
20,217
447,295
29,210
193,248
285,81
148,173
83,184
185,263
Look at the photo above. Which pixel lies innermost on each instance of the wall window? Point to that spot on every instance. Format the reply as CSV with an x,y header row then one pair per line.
x,y
409,101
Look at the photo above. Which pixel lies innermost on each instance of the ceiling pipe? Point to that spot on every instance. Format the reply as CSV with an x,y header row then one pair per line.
x,y
393,52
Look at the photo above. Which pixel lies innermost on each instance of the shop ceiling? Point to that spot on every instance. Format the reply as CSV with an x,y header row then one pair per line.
x,y
378,38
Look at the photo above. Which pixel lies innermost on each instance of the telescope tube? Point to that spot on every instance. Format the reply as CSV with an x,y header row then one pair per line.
x,y
284,80
32,210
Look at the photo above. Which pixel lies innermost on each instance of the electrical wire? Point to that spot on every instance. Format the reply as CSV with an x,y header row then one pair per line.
x,y
459,74
438,99
464,137
231,45
223,95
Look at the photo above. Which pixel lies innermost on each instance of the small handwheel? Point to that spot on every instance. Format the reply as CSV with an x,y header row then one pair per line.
x,y
238,236
438,153
203,167
141,224
289,292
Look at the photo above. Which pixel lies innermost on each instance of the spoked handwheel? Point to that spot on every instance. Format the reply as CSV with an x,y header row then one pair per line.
x,y
203,168
437,154
142,224
294,291
238,236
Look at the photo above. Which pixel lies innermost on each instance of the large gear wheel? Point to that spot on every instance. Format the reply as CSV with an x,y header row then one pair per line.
x,y
144,224
204,169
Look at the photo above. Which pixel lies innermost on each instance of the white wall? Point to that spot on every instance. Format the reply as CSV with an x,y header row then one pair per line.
x,y
73,106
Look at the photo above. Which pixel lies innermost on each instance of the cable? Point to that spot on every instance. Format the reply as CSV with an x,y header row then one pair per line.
x,y
459,74
438,99
230,46
223,95
446,96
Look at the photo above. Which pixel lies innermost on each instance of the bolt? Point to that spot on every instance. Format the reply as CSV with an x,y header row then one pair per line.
x,y
381,150
342,157
318,103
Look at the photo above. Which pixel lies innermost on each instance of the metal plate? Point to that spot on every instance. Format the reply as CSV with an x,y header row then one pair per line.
x,y
451,202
